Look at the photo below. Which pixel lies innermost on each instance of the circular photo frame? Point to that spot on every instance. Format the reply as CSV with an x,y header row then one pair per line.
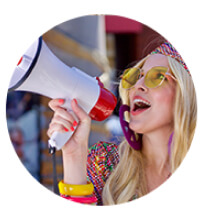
x,y
101,109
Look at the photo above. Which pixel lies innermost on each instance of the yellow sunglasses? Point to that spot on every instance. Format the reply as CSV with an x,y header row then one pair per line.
x,y
154,77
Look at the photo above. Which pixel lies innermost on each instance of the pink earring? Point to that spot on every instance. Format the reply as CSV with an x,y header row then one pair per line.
x,y
128,133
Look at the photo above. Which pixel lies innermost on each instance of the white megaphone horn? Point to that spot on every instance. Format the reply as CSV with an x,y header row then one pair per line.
x,y
40,71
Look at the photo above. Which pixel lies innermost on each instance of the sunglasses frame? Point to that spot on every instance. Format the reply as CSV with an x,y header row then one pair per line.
x,y
166,74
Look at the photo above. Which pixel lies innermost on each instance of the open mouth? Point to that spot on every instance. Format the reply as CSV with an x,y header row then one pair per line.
x,y
140,104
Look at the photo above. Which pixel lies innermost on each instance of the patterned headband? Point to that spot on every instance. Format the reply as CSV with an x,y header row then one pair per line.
x,y
168,50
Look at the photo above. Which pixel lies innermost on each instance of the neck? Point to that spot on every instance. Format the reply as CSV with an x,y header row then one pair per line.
x,y
155,149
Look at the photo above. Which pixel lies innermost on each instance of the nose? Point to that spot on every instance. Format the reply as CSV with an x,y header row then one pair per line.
x,y
140,85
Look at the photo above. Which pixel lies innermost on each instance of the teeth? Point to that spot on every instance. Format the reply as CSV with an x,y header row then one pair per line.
x,y
139,101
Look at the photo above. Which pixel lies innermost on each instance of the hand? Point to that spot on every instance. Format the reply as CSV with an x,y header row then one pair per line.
x,y
63,121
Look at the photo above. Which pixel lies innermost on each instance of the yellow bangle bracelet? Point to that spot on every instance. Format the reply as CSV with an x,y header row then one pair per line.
x,y
75,190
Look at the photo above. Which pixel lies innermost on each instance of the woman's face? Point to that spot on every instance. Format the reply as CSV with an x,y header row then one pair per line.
x,y
161,100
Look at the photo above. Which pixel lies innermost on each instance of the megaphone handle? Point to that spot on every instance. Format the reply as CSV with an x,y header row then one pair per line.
x,y
59,139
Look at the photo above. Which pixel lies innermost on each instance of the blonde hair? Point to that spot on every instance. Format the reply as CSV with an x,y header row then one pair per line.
x,y
128,179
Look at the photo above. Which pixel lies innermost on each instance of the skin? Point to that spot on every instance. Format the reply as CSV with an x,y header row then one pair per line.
x,y
155,124
160,114
74,152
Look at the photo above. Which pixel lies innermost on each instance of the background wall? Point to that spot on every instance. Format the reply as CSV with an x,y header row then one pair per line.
x,y
100,46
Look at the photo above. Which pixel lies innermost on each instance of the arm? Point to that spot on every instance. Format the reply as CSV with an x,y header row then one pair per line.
x,y
74,152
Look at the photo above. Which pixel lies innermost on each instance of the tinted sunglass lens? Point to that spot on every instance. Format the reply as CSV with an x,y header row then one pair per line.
x,y
130,77
155,77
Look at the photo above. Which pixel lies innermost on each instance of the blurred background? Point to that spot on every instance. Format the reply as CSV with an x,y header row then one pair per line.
x,y
100,45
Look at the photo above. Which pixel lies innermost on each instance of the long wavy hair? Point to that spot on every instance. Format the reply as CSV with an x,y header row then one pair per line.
x,y
128,180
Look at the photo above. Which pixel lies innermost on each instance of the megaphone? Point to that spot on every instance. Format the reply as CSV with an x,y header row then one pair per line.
x,y
40,71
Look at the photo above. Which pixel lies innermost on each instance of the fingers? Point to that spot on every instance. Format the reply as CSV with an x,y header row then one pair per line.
x,y
80,113
54,103
56,127
64,114
64,121
60,125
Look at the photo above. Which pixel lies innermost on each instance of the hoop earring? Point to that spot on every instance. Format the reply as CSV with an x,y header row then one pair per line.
x,y
128,133
169,143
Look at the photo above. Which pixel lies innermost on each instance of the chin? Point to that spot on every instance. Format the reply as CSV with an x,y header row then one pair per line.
x,y
137,127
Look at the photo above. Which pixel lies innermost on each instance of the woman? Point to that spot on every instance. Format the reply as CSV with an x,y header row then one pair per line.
x,y
160,94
